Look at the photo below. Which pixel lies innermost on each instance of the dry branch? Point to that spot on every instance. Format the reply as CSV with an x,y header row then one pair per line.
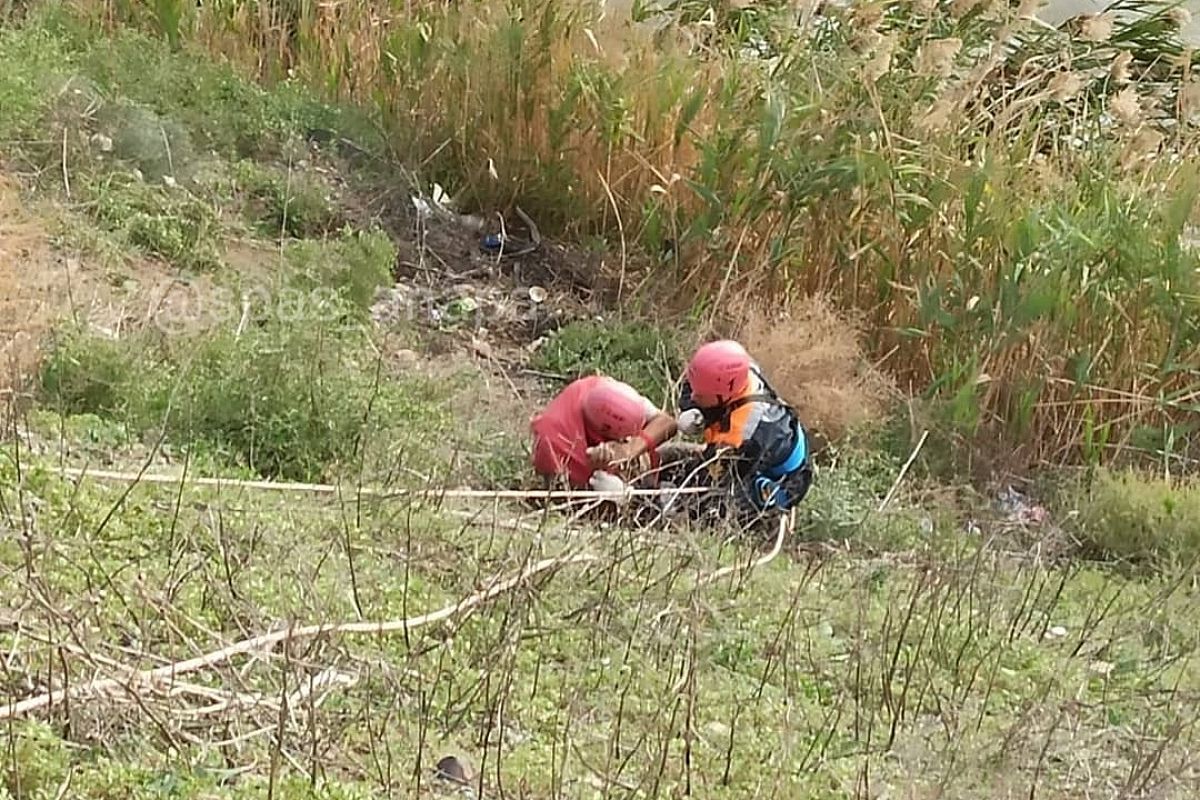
x,y
904,471
154,676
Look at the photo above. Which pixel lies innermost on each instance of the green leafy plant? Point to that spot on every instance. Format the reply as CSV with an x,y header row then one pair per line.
x,y
645,357
1138,518
284,204
355,265
286,400
166,221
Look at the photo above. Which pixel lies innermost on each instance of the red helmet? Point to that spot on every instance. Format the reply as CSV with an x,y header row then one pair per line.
x,y
719,369
614,410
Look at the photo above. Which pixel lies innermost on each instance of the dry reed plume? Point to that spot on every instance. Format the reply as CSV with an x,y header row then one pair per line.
x,y
881,158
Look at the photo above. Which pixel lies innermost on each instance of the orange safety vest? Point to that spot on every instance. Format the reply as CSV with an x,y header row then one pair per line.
x,y
733,428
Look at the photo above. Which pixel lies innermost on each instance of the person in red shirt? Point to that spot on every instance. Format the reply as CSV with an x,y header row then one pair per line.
x,y
593,429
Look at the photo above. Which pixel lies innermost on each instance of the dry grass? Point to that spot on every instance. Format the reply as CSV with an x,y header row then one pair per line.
x,y
953,671
813,355
851,167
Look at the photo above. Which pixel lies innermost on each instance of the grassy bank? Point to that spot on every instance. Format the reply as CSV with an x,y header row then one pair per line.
x,y
953,668
217,278
1009,205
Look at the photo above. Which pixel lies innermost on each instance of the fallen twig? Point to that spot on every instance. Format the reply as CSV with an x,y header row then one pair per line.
x,y
534,234
553,376
904,471
153,676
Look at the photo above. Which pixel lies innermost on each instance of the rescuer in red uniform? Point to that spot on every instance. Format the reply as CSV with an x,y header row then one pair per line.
x,y
593,429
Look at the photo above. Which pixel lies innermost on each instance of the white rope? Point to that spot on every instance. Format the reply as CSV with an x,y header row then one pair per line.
x,y
325,488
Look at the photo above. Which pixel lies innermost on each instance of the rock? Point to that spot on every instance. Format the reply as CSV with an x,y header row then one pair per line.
x,y
451,769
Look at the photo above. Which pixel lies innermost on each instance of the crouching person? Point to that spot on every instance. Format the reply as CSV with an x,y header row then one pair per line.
x,y
726,397
595,433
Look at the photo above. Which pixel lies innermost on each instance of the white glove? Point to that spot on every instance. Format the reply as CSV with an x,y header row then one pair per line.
x,y
602,481
690,422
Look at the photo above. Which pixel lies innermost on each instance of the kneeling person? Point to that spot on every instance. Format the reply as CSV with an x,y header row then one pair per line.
x,y
596,427
726,397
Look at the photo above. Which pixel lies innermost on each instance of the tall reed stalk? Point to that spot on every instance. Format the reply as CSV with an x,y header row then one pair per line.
x,y
1010,204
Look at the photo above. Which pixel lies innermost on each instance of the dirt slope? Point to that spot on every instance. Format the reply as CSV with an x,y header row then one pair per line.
x,y
36,286
42,287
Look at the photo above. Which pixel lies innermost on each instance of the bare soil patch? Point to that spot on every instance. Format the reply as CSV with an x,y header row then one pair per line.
x,y
36,287
42,287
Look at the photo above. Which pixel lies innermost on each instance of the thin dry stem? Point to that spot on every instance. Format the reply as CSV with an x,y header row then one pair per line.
x,y
149,678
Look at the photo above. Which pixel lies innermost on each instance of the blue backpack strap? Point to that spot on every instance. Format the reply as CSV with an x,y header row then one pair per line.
x,y
795,459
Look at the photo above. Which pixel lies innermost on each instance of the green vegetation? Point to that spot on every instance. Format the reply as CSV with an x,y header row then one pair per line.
x,y
170,156
354,265
644,356
288,400
960,667
284,204
1139,518
174,225
164,152
31,59
974,181
932,645
154,147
